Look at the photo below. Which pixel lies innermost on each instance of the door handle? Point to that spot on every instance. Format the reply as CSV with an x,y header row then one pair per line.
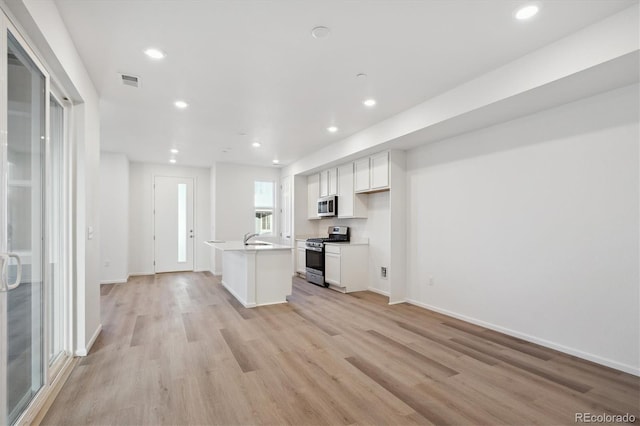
x,y
4,284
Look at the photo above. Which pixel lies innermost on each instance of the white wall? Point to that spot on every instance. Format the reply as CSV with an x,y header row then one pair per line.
x,y
532,227
234,201
141,177
114,218
47,33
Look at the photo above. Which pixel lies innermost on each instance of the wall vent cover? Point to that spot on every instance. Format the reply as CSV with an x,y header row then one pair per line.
x,y
130,80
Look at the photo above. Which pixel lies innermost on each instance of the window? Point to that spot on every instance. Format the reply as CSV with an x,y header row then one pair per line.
x,y
182,222
264,207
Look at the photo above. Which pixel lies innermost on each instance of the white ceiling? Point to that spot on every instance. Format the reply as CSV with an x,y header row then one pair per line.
x,y
252,67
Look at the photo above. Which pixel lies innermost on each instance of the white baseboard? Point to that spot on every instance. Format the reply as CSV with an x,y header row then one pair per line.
x,y
85,351
140,274
542,342
120,281
377,290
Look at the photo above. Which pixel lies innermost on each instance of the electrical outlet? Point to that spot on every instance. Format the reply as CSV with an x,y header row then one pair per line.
x,y
383,271
431,281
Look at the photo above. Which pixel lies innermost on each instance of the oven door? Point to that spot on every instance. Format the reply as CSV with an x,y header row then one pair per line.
x,y
315,260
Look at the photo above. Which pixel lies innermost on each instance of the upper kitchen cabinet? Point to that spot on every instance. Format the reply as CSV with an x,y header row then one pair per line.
x,y
350,204
329,182
379,171
313,193
361,171
372,173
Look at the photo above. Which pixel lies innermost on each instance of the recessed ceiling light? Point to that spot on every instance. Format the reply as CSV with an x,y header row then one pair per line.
x,y
174,151
276,161
332,129
320,32
369,102
256,144
172,161
181,104
527,12
361,75
154,53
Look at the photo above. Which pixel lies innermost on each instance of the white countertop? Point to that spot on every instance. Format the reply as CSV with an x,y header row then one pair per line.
x,y
239,246
358,242
350,243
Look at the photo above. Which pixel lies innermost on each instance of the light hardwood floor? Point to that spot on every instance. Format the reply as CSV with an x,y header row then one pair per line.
x,y
179,349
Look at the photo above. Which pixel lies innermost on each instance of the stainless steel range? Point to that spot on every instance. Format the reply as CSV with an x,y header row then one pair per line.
x,y
315,253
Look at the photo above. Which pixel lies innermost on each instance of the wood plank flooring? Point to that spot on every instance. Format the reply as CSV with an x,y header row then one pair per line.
x,y
179,349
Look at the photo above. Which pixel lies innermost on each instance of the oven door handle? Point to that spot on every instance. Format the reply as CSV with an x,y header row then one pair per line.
x,y
317,249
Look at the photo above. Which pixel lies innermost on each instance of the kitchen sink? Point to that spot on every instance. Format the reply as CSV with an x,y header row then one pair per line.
x,y
257,243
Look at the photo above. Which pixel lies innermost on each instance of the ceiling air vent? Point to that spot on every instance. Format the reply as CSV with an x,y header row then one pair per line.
x,y
130,80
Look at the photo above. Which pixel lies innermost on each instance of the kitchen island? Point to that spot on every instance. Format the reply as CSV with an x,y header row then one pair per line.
x,y
257,274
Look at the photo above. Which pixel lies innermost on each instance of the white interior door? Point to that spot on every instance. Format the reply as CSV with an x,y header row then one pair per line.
x,y
173,224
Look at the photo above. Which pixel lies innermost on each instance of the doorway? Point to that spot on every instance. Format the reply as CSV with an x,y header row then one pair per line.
x,y
173,212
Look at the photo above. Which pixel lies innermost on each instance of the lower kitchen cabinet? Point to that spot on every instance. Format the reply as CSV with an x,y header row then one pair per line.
x,y
301,257
346,266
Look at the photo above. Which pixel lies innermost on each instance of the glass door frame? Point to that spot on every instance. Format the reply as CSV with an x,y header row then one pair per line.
x,y
53,369
49,374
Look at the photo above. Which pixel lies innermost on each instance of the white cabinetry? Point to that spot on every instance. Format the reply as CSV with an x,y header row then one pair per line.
x,y
379,165
345,267
372,173
361,171
328,182
301,257
350,204
313,192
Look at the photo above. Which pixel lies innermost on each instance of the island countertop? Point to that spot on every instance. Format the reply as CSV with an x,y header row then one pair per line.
x,y
239,246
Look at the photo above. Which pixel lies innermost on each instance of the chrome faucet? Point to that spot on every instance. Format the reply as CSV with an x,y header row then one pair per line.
x,y
248,236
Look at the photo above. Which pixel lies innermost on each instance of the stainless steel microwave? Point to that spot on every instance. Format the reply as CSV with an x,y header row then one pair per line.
x,y
328,206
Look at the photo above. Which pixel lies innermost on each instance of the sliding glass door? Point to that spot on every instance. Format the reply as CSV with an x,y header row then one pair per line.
x,y
22,245
35,224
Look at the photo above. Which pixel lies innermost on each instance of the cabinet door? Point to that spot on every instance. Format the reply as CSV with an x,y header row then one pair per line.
x,y
380,170
345,190
301,260
332,175
324,183
313,192
361,169
332,268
